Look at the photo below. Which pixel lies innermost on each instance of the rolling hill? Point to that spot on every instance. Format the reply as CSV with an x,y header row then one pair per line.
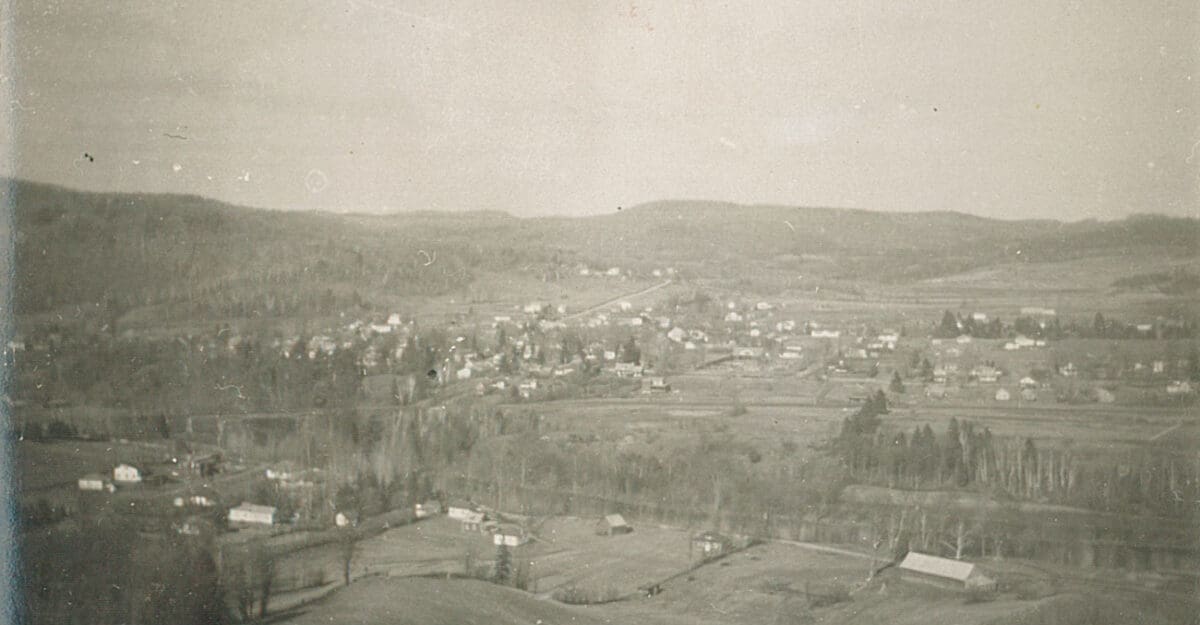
x,y
191,257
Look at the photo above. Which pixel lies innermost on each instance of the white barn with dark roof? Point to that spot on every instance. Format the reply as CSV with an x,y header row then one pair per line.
x,y
944,572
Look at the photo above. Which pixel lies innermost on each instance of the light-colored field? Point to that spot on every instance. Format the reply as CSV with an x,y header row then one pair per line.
x,y
571,554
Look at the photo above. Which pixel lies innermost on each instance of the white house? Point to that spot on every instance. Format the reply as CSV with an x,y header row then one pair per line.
x,y
826,334
677,334
963,339
127,474
394,319
1024,341
509,536
1003,395
733,316
252,514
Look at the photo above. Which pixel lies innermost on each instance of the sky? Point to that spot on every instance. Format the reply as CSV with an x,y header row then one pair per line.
x,y
1048,109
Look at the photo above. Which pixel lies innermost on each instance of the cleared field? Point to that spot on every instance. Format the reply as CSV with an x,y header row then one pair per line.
x,y
569,553
433,546
61,463
421,601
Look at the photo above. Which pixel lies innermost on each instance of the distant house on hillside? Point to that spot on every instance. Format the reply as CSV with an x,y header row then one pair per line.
x,y
509,535
711,544
826,334
943,572
469,514
963,339
660,384
1003,395
127,474
252,514
613,524
427,509
677,334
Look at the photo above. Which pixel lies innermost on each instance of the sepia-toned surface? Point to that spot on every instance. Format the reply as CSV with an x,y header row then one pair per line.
x,y
382,312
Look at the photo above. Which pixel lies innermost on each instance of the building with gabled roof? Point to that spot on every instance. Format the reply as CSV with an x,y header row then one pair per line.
x,y
944,572
613,524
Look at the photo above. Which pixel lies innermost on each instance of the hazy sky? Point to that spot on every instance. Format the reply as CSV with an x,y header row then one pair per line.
x,y
1007,109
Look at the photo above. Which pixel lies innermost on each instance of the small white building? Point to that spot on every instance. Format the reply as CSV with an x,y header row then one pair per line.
x,y
509,536
93,482
252,514
1003,395
127,474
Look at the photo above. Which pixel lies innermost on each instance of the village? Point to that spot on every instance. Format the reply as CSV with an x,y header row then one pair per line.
x,y
666,356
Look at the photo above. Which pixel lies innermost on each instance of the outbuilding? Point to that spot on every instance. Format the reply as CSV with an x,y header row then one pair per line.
x,y
944,572
613,524
248,513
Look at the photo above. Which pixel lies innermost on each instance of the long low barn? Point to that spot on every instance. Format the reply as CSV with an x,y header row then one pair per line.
x,y
944,572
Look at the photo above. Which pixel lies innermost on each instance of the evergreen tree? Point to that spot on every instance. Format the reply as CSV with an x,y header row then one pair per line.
x,y
503,564
897,385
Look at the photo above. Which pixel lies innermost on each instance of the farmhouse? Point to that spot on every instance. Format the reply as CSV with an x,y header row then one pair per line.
x,y
943,572
427,509
1003,395
127,474
963,339
612,524
1028,382
509,536
252,514
677,334
826,334
660,384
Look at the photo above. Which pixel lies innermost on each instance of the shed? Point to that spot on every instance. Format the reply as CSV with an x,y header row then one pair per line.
x,y
711,544
612,524
92,481
252,514
944,572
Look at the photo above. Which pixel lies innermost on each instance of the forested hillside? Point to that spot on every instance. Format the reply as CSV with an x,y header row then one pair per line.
x,y
191,257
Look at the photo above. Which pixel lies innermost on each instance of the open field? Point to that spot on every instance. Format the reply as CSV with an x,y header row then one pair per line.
x,y
569,554
422,601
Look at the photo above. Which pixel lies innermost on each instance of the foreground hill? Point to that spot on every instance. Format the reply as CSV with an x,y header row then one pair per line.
x,y
422,601
192,257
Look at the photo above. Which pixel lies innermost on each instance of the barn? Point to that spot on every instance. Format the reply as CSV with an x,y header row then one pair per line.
x,y
252,514
944,572
613,524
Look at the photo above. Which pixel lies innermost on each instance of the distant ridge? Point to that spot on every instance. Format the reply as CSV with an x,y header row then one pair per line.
x,y
198,257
